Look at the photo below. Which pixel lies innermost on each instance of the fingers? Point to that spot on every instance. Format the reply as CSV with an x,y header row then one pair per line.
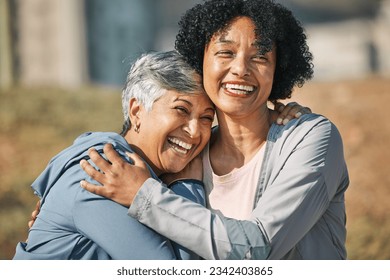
x,y
30,223
115,179
305,110
93,188
97,159
290,111
34,214
38,206
91,171
112,155
278,106
107,192
285,114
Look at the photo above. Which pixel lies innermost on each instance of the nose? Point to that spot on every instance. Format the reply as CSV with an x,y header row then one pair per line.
x,y
192,128
240,66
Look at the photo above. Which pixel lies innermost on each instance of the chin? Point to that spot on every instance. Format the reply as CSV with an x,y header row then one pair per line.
x,y
176,170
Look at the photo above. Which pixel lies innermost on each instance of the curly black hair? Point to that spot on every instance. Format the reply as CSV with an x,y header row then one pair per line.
x,y
274,23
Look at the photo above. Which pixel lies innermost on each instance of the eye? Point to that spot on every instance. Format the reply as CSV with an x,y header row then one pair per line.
x,y
260,58
224,53
182,110
208,118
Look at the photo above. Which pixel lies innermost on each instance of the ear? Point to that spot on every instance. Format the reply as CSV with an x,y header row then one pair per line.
x,y
135,109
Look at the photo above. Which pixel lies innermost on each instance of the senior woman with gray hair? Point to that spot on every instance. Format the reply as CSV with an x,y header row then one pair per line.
x,y
168,120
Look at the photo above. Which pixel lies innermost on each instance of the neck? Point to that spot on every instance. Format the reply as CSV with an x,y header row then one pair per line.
x,y
238,139
135,143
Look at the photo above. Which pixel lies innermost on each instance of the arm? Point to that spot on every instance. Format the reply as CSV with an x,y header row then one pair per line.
x,y
224,238
221,238
306,174
191,190
166,212
301,182
117,172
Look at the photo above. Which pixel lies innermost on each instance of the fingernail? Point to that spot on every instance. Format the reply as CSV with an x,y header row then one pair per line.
x,y
297,115
285,121
279,121
82,184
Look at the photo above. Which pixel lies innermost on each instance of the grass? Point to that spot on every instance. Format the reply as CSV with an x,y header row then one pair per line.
x,y
35,124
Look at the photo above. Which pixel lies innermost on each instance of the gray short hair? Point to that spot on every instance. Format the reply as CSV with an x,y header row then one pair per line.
x,y
152,74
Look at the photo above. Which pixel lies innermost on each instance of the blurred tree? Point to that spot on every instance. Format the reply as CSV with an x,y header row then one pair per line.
x,y
6,69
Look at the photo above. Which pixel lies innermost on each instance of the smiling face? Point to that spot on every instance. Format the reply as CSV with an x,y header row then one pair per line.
x,y
174,131
237,77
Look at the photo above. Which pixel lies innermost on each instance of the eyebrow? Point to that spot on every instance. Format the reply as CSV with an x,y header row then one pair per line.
x,y
222,40
184,100
191,105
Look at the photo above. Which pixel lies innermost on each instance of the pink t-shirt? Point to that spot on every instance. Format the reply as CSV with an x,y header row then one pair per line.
x,y
232,194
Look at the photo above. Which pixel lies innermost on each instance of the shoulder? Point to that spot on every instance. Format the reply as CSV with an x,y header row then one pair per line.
x,y
311,132
308,124
95,138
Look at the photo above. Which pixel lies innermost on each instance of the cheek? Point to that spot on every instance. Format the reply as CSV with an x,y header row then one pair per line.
x,y
206,133
266,75
212,75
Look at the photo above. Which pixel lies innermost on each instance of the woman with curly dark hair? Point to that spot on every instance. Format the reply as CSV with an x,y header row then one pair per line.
x,y
274,26
273,191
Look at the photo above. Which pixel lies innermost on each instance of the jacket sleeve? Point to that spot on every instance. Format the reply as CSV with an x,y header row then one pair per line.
x,y
309,172
195,227
194,191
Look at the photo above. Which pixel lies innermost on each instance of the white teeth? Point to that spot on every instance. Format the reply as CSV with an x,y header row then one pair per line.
x,y
179,150
181,144
240,87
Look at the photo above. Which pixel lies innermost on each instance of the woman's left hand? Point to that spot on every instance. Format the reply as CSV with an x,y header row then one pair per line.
x,y
120,180
290,111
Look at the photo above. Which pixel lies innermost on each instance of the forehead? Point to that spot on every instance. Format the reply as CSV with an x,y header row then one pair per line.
x,y
242,26
193,98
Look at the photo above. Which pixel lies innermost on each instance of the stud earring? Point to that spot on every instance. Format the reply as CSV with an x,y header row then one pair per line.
x,y
136,128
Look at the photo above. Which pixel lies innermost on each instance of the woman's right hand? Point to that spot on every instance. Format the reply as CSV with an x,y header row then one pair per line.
x,y
120,180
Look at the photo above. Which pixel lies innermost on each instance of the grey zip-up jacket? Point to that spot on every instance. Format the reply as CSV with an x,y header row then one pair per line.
x,y
299,207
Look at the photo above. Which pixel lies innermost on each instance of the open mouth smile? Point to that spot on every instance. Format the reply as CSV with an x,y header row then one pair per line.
x,y
179,145
239,89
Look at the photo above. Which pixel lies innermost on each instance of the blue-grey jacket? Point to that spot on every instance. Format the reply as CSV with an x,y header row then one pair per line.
x,y
76,224
299,208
